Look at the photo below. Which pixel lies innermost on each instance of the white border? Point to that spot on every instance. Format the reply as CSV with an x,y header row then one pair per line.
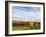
x,y
24,31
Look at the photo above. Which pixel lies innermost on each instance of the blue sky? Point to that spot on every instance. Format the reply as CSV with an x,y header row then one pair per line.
x,y
28,13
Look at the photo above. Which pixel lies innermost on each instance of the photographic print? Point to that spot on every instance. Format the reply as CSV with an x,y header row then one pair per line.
x,y
25,18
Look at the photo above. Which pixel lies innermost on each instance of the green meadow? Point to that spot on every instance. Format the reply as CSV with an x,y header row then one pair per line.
x,y
25,26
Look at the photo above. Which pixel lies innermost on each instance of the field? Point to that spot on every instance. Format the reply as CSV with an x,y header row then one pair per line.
x,y
25,25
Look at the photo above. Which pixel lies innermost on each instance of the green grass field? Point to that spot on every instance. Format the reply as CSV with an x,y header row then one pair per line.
x,y
25,27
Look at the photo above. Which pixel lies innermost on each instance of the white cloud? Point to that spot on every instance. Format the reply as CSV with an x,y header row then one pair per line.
x,y
27,16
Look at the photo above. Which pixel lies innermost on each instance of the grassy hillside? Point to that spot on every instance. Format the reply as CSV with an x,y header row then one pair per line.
x,y
25,25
